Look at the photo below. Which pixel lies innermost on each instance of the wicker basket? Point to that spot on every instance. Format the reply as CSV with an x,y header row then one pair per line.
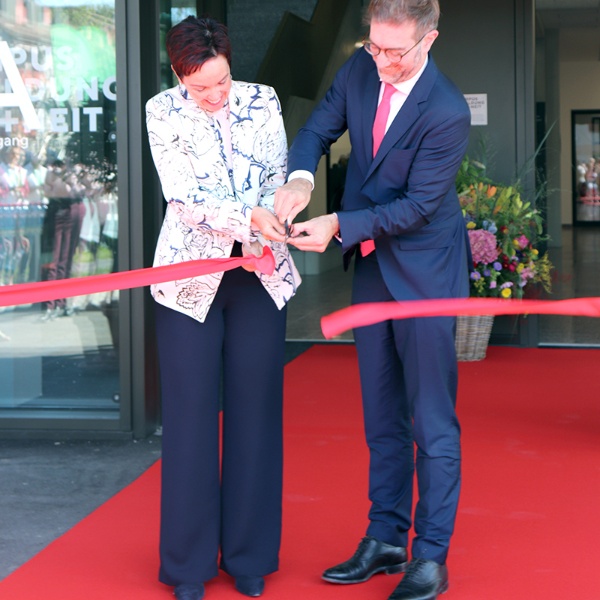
x,y
472,336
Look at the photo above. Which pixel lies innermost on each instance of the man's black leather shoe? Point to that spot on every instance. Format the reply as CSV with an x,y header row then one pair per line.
x,y
423,580
372,556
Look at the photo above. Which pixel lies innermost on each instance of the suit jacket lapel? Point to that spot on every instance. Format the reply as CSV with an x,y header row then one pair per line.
x,y
241,137
235,101
408,114
370,98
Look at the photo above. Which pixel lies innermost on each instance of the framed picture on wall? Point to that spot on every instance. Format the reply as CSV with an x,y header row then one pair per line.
x,y
585,129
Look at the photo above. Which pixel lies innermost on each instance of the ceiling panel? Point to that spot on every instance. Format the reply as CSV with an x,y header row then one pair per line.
x,y
579,24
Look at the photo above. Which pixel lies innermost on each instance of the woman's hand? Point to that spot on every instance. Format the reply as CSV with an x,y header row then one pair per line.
x,y
268,224
251,249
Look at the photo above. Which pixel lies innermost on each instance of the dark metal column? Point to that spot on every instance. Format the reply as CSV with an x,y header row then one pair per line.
x,y
138,78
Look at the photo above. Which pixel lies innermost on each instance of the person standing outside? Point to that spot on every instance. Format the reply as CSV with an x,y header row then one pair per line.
x,y
65,191
220,149
401,218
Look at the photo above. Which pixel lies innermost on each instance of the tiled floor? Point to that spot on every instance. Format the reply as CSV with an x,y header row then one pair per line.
x,y
576,274
318,295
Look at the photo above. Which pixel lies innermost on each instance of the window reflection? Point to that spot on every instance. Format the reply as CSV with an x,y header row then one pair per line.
x,y
58,205
586,169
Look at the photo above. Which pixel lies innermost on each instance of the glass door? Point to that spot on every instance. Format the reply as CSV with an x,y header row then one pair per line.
x,y
58,207
586,166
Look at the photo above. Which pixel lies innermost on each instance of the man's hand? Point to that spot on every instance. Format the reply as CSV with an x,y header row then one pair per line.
x,y
291,198
315,235
268,224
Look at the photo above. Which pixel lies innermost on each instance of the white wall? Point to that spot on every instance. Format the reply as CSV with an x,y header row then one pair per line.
x,y
579,90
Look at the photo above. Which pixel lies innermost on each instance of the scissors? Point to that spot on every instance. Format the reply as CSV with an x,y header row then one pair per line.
x,y
289,229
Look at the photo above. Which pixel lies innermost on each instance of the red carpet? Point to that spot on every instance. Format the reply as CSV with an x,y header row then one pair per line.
x,y
528,524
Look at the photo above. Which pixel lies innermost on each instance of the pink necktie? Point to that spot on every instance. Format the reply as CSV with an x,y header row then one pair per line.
x,y
381,117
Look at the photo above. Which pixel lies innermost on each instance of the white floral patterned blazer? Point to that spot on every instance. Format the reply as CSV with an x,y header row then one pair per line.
x,y
209,204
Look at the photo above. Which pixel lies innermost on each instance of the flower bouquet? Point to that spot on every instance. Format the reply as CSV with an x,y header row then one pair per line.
x,y
504,231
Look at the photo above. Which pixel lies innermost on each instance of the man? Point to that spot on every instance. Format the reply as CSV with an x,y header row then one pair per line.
x,y
402,198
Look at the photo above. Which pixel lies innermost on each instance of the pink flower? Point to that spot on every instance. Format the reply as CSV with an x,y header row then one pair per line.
x,y
526,274
521,242
483,246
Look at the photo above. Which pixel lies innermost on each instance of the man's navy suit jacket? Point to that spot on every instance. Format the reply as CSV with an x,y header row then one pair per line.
x,y
404,198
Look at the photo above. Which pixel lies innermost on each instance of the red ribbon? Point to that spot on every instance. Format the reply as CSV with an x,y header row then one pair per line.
x,y
26,293
360,315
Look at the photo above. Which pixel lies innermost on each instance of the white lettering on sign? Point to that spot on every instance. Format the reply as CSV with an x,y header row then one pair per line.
x,y
478,104
21,92
19,96
22,142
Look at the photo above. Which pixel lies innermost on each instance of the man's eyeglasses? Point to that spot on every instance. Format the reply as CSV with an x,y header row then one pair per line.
x,y
393,54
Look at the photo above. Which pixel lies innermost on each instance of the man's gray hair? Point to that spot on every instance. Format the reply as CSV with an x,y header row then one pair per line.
x,y
425,13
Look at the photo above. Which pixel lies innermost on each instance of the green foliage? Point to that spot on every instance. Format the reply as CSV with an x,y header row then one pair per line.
x,y
505,231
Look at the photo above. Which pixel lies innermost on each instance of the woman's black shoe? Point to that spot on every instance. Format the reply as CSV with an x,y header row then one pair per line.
x,y
250,585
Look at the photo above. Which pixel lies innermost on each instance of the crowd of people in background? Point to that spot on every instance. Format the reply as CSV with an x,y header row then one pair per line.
x,y
58,219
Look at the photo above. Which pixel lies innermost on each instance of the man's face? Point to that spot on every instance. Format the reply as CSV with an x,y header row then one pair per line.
x,y
209,86
399,37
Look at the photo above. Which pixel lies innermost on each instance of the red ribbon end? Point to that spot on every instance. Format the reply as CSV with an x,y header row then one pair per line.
x,y
266,262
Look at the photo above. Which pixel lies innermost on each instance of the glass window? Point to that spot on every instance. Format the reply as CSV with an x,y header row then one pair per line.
x,y
58,206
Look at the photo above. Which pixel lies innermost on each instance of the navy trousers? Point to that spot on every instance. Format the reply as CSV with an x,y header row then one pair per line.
x,y
226,501
409,377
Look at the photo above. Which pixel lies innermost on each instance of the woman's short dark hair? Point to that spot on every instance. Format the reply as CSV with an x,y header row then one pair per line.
x,y
195,40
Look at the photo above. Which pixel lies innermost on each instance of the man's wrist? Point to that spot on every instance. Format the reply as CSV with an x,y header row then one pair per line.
x,y
336,225
303,176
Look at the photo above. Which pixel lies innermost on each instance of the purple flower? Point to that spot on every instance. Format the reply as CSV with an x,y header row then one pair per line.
x,y
497,266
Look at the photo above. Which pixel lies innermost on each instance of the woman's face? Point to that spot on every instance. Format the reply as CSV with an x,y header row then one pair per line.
x,y
209,86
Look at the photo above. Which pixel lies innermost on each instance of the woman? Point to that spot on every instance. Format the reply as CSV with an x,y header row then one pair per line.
x,y
220,150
